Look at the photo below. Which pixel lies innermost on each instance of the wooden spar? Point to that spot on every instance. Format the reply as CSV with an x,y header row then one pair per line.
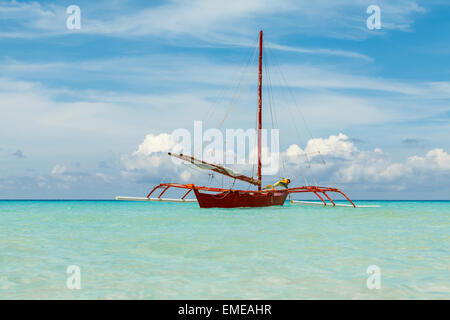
x,y
260,107
216,168
324,203
329,198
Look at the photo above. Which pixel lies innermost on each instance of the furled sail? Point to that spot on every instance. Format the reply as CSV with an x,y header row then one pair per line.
x,y
216,168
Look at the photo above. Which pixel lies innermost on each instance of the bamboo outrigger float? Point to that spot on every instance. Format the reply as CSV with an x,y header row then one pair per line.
x,y
208,197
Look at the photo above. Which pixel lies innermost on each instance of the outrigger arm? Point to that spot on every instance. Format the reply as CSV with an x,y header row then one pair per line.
x,y
190,187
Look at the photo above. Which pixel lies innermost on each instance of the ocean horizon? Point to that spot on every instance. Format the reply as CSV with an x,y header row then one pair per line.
x,y
141,250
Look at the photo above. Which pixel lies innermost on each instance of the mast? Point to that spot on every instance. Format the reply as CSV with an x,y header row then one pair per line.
x,y
260,106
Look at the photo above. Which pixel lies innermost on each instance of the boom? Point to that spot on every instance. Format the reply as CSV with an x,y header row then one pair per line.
x,y
216,168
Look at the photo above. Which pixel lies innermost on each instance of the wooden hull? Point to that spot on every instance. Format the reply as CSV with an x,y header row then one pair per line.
x,y
238,199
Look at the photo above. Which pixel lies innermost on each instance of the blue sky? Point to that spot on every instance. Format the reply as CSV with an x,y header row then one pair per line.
x,y
76,104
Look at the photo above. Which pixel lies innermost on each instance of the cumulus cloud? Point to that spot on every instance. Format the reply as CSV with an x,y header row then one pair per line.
x,y
335,159
150,162
436,159
338,146
155,143
151,154
345,163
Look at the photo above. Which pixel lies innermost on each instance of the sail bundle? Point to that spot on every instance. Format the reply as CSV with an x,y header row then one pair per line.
x,y
216,168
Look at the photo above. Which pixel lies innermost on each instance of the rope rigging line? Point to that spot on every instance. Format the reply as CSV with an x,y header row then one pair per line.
x,y
286,85
290,110
237,97
247,64
274,119
240,92
232,87
298,109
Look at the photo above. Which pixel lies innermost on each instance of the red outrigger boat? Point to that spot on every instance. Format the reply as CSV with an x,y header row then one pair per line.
x,y
208,197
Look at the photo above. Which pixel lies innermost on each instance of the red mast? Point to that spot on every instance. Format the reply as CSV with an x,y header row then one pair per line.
x,y
260,106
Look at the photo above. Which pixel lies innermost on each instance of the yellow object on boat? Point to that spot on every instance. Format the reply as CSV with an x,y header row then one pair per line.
x,y
283,183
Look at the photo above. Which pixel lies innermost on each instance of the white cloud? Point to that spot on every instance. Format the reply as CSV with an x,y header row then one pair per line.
x,y
294,151
185,176
211,21
437,159
219,21
151,163
328,77
104,177
58,170
92,121
344,164
32,109
338,146
320,51
28,19
155,143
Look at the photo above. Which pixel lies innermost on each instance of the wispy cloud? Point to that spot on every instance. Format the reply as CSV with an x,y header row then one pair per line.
x,y
320,51
202,70
212,21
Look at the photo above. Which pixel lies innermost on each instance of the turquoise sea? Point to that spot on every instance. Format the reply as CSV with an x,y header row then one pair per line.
x,y
140,250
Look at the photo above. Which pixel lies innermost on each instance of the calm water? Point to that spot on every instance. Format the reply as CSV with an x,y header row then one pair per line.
x,y
177,251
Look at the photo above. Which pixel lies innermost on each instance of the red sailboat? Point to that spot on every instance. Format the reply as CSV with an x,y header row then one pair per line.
x,y
209,197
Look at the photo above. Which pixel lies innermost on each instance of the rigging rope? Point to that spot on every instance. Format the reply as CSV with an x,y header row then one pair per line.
x,y
298,109
274,119
239,94
232,87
